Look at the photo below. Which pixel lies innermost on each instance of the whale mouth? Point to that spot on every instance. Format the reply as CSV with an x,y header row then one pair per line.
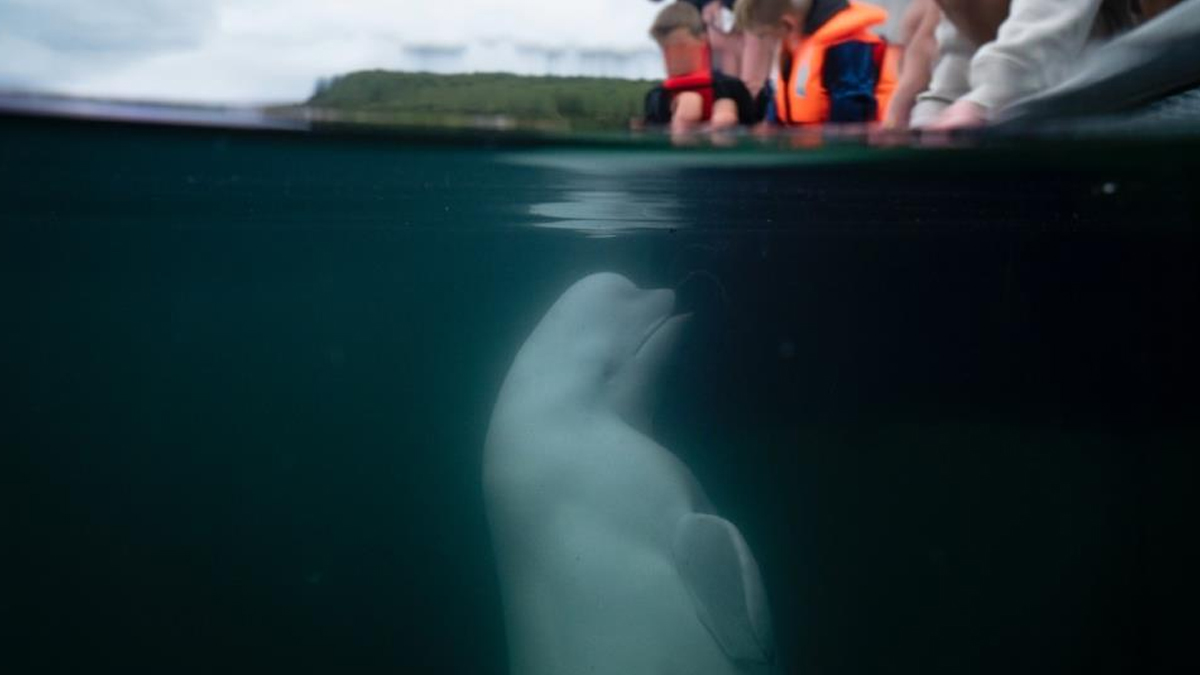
x,y
650,332
661,326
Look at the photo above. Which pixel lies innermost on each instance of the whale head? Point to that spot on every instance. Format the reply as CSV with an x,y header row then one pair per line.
x,y
602,344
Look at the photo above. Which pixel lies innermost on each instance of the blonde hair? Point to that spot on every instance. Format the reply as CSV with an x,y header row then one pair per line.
x,y
675,16
755,14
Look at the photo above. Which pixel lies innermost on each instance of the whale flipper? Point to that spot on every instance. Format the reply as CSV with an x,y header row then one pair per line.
x,y
720,573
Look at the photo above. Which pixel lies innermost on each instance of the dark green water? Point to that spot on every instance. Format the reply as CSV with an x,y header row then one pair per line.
x,y
949,396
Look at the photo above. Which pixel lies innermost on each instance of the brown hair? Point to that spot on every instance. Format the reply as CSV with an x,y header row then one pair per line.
x,y
752,14
675,16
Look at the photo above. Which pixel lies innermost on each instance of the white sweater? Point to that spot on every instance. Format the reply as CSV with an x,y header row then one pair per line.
x,y
1036,48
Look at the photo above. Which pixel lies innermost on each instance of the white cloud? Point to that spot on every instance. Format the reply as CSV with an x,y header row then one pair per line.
x,y
46,41
128,26
264,50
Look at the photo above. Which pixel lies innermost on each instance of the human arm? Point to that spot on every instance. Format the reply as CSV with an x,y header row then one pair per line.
x,y
916,68
734,104
950,78
726,45
1034,49
758,57
724,114
687,111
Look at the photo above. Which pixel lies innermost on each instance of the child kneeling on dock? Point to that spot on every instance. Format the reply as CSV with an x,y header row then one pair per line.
x,y
832,67
694,92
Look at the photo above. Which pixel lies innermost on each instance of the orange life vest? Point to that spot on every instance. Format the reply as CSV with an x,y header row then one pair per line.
x,y
800,95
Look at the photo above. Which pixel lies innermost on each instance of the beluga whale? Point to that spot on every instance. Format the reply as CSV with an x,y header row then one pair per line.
x,y
610,558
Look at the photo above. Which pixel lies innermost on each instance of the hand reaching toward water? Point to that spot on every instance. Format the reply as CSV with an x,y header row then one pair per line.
x,y
960,115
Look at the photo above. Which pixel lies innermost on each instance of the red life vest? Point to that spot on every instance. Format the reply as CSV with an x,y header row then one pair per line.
x,y
800,95
699,81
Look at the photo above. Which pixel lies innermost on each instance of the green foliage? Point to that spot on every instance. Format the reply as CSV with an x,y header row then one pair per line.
x,y
575,103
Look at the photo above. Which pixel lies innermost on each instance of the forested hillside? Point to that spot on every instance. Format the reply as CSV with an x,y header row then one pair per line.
x,y
487,99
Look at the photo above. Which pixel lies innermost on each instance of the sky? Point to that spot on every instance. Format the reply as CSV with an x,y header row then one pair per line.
x,y
265,51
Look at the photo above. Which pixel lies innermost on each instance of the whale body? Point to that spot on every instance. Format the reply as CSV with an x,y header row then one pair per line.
x,y
610,559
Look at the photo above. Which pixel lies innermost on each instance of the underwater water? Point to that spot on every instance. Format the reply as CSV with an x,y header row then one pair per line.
x,y
948,396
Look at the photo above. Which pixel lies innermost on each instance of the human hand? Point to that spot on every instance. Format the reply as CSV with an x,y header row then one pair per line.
x,y
960,115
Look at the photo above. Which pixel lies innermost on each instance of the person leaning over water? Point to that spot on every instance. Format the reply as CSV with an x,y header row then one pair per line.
x,y
745,56
832,67
694,92
995,52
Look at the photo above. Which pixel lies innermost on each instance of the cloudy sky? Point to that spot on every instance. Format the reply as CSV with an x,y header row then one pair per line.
x,y
249,51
